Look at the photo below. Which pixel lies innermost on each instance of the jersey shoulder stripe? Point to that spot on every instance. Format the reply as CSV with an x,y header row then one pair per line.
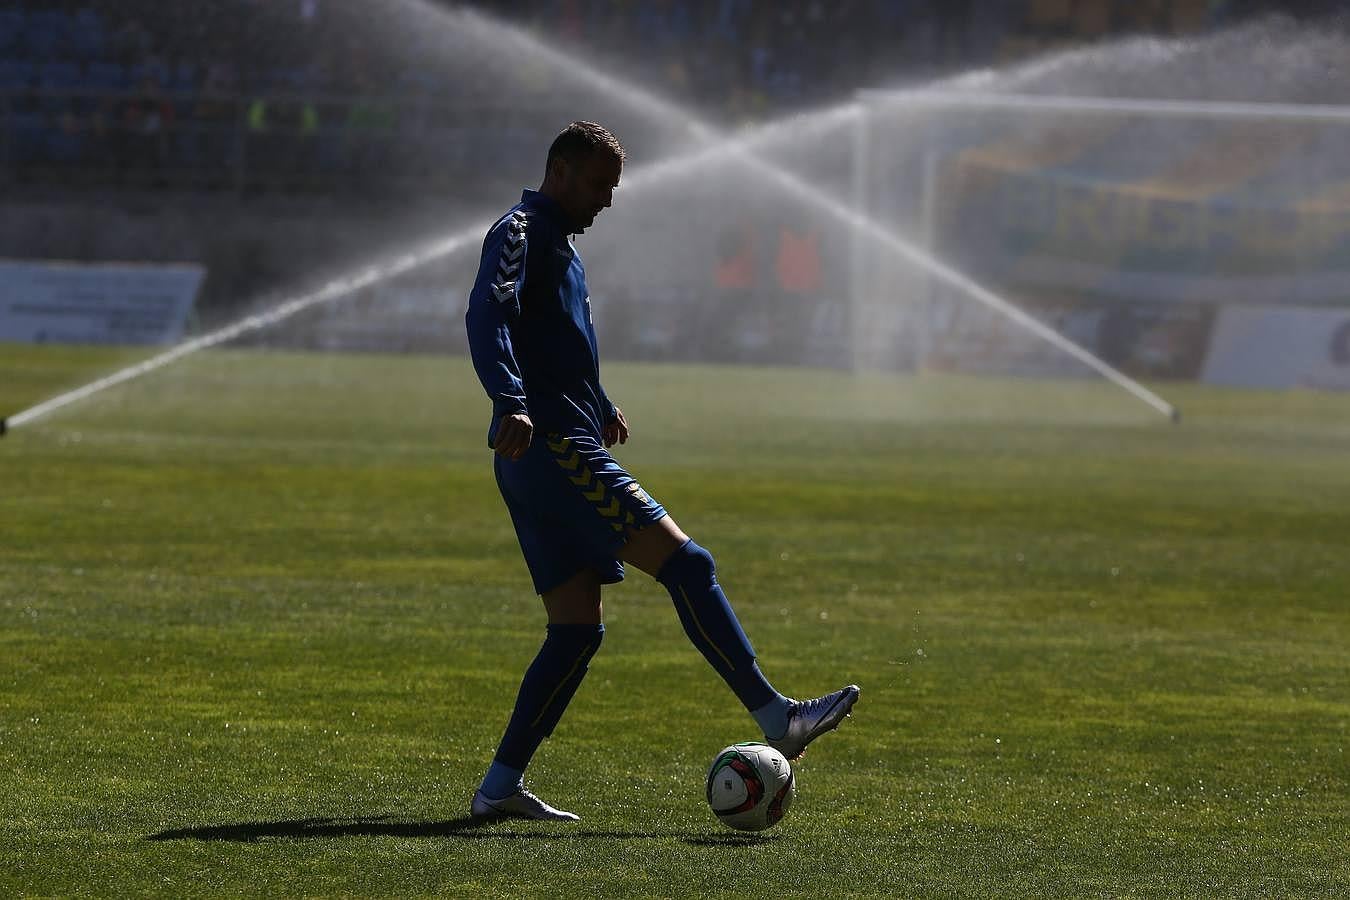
x,y
511,263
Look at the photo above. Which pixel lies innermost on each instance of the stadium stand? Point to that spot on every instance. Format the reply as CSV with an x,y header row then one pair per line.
x,y
275,95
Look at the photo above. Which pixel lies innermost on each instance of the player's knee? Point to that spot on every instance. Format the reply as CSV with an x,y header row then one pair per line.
x,y
577,641
595,636
691,564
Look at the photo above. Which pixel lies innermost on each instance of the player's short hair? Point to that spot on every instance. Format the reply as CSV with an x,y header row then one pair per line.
x,y
580,140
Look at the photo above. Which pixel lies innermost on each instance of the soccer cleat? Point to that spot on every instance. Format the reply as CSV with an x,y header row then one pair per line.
x,y
809,719
520,805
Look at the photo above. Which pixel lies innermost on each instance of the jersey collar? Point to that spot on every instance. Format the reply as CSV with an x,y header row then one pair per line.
x,y
549,207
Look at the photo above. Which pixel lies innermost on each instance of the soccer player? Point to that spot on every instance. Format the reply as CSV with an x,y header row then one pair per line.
x,y
578,515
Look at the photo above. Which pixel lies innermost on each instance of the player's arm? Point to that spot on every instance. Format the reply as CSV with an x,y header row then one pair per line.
x,y
616,426
494,307
495,362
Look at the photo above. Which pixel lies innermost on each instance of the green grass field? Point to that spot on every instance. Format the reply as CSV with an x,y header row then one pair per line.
x,y
264,616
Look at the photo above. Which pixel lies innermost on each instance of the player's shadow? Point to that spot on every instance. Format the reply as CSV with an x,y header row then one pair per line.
x,y
464,828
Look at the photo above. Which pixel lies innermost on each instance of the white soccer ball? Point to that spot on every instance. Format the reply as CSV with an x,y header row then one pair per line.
x,y
750,786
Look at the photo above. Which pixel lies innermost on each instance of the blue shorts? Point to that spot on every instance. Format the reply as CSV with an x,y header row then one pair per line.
x,y
573,506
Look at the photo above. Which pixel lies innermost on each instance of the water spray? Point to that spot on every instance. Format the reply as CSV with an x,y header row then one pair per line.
x,y
375,273
339,287
714,144
860,224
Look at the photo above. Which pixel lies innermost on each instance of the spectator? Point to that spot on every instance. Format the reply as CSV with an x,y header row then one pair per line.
x,y
294,141
214,117
145,122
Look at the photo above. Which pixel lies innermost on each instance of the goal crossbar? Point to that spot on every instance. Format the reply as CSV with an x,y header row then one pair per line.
x,y
1128,106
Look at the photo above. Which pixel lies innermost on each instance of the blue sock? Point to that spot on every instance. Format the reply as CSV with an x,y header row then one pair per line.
x,y
708,619
772,717
547,688
501,781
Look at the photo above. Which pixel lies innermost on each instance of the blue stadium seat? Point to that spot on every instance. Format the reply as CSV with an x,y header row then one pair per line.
x,y
186,76
64,147
91,84
16,74
58,76
106,76
182,86
27,131
45,33
11,27
87,37
153,69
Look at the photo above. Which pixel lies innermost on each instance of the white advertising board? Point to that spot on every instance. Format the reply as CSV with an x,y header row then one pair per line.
x,y
1274,347
95,303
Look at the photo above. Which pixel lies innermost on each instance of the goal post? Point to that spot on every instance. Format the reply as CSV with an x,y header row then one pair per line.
x,y
1138,230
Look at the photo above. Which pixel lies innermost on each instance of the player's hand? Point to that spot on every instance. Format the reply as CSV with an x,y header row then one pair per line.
x,y
616,429
513,436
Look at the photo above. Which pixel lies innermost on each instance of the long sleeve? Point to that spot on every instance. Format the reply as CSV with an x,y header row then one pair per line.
x,y
529,324
494,307
607,407
493,358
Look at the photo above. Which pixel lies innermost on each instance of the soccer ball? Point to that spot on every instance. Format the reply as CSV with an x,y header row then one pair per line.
x,y
750,786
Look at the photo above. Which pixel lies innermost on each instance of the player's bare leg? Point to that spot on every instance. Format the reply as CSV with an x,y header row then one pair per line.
x,y
665,552
650,547
576,601
574,634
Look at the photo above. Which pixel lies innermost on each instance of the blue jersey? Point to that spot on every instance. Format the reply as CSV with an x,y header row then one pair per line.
x,y
529,323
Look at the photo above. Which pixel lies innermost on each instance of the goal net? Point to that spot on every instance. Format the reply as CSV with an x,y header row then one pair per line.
x,y
1171,239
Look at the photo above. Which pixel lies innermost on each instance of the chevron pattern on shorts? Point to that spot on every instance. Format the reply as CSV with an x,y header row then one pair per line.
x,y
606,503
